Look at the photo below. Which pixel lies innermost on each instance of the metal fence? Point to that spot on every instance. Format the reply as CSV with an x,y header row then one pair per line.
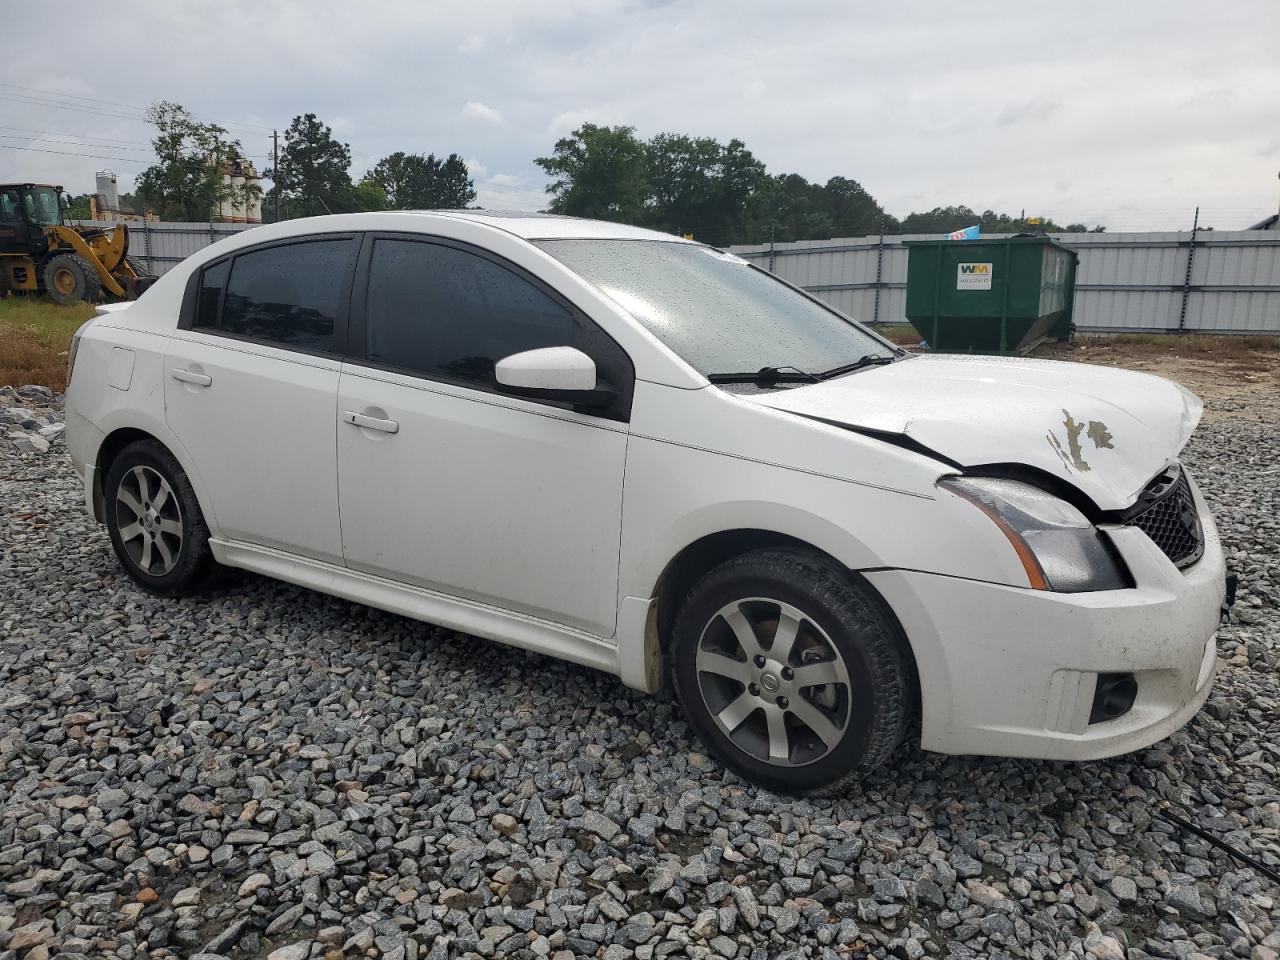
x,y
162,245
1208,281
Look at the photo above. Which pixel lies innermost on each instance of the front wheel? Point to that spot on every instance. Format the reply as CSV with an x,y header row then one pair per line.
x,y
790,672
155,522
70,279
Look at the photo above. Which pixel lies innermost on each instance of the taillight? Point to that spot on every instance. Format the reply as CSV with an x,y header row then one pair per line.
x,y
75,346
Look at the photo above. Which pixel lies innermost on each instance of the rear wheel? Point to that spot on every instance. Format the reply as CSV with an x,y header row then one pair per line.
x,y
156,527
69,278
790,672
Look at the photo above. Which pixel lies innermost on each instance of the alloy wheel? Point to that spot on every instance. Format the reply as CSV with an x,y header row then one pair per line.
x,y
149,519
773,681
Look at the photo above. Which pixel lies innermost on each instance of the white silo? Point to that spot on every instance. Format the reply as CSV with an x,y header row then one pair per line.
x,y
225,211
237,193
108,197
253,201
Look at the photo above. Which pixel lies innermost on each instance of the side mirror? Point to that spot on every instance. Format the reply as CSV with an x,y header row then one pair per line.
x,y
554,373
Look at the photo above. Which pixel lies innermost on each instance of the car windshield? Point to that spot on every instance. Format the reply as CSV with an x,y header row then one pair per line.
x,y
716,311
42,206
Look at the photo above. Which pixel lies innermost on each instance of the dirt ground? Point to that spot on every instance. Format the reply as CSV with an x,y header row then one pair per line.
x,y
1235,368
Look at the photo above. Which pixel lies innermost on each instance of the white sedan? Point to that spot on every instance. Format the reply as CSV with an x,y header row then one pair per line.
x,y
646,456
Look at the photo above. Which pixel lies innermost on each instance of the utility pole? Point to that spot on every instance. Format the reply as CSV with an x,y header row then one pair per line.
x,y
275,170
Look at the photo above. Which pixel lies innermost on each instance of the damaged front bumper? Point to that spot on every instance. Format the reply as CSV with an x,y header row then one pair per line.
x,y
1008,671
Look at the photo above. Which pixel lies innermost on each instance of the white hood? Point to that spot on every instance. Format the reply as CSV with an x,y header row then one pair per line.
x,y
1104,430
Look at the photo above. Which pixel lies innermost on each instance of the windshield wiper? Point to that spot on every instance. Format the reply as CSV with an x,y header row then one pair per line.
x,y
869,360
767,375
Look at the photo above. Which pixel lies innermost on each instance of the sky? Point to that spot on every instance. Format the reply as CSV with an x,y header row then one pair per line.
x,y
1126,114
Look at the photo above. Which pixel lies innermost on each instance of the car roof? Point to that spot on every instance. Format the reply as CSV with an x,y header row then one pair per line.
x,y
548,226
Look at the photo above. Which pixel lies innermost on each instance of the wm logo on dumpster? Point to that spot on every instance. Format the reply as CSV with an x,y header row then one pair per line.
x,y
973,276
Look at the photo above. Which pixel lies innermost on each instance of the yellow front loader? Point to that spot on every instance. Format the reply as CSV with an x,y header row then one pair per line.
x,y
39,251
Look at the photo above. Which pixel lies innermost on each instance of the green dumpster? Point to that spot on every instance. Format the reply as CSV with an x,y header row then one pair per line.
x,y
990,296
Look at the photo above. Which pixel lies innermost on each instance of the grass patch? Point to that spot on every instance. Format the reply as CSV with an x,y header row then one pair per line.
x,y
35,336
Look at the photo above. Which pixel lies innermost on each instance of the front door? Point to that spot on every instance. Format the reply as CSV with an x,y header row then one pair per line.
x,y
250,387
448,484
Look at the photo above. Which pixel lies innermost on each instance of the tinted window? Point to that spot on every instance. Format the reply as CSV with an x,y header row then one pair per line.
x,y
713,309
289,294
211,283
448,313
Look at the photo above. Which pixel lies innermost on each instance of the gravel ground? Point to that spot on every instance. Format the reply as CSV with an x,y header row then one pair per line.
x,y
266,771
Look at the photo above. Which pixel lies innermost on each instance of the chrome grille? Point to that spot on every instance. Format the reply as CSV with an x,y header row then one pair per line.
x,y
1166,513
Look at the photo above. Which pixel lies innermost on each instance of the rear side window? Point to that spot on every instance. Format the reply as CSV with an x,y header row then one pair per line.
x,y
448,313
211,283
287,295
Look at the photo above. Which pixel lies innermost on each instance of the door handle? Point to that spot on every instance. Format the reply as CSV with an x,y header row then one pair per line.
x,y
187,376
371,423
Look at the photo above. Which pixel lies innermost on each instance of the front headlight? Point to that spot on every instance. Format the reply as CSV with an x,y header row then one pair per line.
x,y
1058,546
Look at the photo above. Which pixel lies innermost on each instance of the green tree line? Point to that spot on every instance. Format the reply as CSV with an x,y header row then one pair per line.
x,y
312,177
719,193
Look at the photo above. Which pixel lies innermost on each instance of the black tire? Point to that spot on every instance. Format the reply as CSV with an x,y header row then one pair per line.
x,y
69,278
841,617
191,560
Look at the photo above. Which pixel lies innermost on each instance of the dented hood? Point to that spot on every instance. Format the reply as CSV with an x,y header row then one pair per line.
x,y
1104,430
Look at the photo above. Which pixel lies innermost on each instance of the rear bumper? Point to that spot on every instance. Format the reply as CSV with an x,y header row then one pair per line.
x,y
1006,671
83,442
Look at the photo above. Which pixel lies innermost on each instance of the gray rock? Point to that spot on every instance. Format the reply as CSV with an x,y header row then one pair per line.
x,y
600,825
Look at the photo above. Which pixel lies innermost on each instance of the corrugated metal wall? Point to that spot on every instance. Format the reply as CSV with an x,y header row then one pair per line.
x,y
162,245
1126,282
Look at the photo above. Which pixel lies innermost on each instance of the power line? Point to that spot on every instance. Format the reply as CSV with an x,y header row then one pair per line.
x,y
68,153
31,101
46,98
63,133
72,96
74,143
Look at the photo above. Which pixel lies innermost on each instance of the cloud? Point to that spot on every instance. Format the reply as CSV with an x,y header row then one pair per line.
x,y
475,168
475,110
887,97
1034,109
499,198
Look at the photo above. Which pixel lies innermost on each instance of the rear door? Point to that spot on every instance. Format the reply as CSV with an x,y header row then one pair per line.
x,y
446,482
251,380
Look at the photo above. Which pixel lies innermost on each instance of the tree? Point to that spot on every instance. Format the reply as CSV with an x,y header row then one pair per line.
x,y
600,172
313,174
700,186
78,207
853,211
186,181
368,194
948,219
788,207
414,182
939,220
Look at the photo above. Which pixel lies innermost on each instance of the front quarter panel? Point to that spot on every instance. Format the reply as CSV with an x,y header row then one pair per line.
x,y
702,461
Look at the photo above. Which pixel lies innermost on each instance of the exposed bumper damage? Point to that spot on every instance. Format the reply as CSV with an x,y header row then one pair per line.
x,y
1023,684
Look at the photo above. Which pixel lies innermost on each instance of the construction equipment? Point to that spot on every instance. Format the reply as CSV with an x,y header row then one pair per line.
x,y
40,251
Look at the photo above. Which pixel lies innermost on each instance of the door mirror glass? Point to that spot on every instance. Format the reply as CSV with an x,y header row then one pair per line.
x,y
553,373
